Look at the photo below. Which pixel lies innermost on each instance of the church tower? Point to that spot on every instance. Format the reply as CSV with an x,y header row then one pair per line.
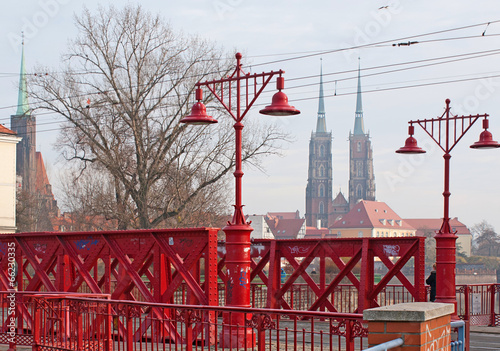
x,y
361,177
24,124
319,180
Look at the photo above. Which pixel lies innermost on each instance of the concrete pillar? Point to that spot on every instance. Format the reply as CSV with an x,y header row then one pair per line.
x,y
422,325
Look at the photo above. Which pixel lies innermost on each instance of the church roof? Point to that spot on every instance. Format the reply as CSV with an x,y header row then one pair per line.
x,y
359,128
340,199
23,107
42,180
434,224
371,214
5,130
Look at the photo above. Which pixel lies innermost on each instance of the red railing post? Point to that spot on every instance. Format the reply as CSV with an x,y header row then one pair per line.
x,y
37,325
492,305
466,303
349,340
130,329
261,334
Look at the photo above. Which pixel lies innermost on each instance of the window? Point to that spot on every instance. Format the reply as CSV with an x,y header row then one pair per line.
x,y
359,191
339,234
321,150
321,190
321,207
321,171
358,146
360,234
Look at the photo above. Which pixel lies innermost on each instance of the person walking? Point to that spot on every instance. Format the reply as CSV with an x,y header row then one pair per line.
x,y
431,281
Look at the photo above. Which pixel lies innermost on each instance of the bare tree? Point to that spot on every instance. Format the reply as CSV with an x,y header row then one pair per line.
x,y
127,81
486,241
32,213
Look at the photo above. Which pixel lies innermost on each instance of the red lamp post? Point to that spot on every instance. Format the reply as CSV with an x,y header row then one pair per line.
x,y
447,131
238,230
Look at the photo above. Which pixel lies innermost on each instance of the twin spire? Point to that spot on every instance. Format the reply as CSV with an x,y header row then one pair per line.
x,y
359,128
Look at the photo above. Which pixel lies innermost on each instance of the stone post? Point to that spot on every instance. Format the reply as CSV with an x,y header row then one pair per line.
x,y
422,325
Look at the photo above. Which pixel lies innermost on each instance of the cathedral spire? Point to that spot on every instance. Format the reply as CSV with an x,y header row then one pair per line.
x,y
321,124
359,128
22,100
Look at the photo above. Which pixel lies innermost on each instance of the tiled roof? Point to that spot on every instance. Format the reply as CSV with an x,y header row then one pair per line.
x,y
5,130
313,233
371,214
285,228
434,224
284,215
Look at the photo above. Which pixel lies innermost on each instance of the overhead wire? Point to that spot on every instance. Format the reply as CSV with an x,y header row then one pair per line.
x,y
450,58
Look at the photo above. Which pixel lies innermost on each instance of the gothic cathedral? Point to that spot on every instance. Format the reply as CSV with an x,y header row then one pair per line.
x,y
321,210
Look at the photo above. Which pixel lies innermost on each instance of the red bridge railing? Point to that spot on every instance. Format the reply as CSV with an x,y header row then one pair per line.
x,y
84,323
320,291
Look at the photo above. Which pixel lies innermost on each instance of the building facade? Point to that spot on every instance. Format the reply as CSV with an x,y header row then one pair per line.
x,y
371,219
8,142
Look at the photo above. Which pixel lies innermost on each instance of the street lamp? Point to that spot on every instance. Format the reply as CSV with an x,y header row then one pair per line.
x,y
447,131
238,230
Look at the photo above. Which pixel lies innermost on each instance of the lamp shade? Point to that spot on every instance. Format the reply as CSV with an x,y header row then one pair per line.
x,y
485,141
279,106
410,147
198,115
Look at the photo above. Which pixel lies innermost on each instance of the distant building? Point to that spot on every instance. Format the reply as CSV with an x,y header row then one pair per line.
x,y
286,225
319,204
38,201
432,225
260,228
24,124
372,219
361,175
317,233
70,222
8,142
320,174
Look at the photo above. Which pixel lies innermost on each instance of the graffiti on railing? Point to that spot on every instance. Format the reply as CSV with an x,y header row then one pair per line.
x,y
86,244
391,250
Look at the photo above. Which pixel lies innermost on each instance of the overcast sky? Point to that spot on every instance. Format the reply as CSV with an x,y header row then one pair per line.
x,y
267,31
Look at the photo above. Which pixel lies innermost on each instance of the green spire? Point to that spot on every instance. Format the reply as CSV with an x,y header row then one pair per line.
x,y
359,128
321,124
23,107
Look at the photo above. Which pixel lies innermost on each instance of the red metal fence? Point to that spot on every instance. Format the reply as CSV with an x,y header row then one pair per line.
x,y
153,264
343,257
159,265
76,323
